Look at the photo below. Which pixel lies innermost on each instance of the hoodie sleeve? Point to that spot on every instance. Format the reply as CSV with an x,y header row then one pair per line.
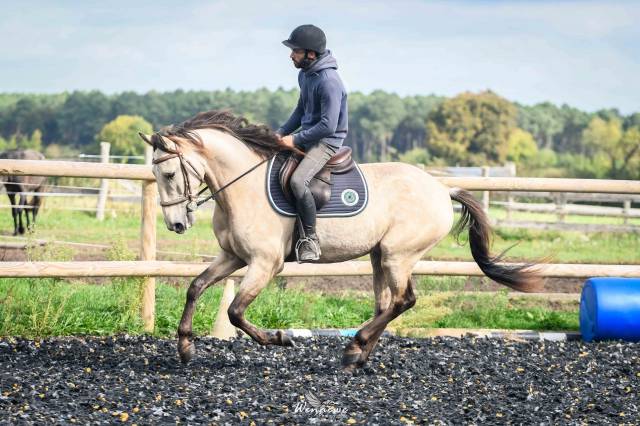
x,y
330,92
294,121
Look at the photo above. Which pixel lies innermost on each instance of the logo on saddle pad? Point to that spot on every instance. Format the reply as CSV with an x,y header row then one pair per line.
x,y
340,189
349,197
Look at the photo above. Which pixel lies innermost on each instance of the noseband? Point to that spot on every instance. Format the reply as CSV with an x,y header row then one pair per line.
x,y
192,203
192,200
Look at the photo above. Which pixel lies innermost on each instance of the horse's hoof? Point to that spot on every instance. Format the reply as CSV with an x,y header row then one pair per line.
x,y
186,353
351,361
283,339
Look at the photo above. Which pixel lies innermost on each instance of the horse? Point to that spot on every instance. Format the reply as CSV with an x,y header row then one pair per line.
x,y
18,185
408,213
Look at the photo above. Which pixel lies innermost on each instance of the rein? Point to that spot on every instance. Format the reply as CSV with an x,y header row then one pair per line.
x,y
192,200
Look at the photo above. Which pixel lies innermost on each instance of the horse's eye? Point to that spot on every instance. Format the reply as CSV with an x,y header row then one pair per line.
x,y
170,175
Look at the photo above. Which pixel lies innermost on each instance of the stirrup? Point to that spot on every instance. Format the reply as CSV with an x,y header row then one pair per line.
x,y
314,245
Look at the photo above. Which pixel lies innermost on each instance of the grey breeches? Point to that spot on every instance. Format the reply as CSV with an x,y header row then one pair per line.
x,y
315,159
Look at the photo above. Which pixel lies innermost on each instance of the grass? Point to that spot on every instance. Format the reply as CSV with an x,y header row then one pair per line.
x,y
48,307
42,307
564,247
494,310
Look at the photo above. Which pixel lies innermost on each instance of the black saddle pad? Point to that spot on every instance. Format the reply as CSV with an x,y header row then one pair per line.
x,y
349,193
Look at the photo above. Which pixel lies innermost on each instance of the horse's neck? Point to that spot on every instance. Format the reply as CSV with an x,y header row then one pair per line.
x,y
229,158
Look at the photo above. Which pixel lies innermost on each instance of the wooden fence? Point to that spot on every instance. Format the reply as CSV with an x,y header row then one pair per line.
x,y
149,268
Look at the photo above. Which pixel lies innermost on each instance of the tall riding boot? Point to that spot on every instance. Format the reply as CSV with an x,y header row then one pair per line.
x,y
308,246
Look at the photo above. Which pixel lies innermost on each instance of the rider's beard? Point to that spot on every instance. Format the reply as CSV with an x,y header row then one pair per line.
x,y
304,63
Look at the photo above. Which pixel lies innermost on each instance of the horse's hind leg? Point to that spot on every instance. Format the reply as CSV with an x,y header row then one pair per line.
x,y
257,277
23,202
381,290
398,274
373,341
27,210
224,264
36,201
14,212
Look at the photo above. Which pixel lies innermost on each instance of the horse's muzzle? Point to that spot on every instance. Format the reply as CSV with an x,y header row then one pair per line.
x,y
179,228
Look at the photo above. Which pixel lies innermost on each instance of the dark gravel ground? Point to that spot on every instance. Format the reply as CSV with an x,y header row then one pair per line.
x,y
435,381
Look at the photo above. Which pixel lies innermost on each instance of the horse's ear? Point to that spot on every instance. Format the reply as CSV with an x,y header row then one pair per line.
x,y
145,138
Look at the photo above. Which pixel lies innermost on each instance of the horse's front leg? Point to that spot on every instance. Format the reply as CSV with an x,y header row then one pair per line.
x,y
223,265
257,277
23,203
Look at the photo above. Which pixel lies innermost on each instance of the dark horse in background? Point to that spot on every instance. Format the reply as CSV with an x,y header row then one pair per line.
x,y
18,186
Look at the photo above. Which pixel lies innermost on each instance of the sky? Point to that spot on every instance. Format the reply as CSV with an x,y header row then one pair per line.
x,y
582,53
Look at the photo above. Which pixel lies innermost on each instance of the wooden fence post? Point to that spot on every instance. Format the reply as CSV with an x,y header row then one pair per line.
x,y
626,210
561,201
485,194
222,327
148,245
104,183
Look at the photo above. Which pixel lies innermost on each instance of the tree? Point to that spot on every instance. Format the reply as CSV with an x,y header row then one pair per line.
x,y
82,116
122,133
281,104
415,156
570,138
543,121
411,132
471,128
372,121
34,142
521,146
620,147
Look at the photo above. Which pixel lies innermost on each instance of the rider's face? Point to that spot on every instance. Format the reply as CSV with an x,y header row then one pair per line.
x,y
298,57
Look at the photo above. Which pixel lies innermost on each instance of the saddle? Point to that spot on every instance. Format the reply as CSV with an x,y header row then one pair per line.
x,y
320,186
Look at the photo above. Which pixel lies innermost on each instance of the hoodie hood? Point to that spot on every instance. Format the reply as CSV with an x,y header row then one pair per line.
x,y
326,60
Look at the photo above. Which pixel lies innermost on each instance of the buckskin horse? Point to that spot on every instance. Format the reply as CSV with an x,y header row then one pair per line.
x,y
408,212
19,186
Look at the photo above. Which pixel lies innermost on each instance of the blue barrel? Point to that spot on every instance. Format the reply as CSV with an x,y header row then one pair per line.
x,y
610,309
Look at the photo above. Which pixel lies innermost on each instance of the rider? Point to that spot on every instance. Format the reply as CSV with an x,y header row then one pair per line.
x,y
322,114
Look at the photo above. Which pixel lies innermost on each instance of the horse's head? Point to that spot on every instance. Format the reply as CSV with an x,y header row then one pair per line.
x,y
179,172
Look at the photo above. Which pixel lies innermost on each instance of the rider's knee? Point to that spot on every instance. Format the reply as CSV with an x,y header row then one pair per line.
x,y
298,186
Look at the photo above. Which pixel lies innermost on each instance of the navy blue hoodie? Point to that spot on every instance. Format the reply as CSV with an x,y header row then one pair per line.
x,y
322,106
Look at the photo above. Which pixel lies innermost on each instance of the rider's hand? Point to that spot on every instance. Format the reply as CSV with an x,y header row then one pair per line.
x,y
287,141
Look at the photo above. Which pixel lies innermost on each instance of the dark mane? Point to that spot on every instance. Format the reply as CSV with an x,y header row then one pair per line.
x,y
258,137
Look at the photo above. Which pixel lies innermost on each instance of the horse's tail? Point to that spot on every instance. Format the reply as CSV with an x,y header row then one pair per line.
x,y
521,277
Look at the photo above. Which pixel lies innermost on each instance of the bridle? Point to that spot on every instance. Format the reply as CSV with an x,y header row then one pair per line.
x,y
188,196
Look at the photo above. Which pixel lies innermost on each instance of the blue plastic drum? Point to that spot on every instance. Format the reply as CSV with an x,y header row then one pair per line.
x,y
610,309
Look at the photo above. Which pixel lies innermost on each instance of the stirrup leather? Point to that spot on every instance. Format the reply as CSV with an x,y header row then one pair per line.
x,y
314,245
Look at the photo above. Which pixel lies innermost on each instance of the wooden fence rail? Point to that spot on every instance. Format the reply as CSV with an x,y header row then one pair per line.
x,y
352,268
148,267
143,172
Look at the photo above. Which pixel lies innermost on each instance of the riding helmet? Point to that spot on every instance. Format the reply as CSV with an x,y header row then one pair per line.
x,y
308,37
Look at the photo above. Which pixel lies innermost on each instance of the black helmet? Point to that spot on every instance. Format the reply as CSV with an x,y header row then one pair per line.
x,y
308,37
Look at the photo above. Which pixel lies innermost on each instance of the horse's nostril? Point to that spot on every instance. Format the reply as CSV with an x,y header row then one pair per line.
x,y
178,227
